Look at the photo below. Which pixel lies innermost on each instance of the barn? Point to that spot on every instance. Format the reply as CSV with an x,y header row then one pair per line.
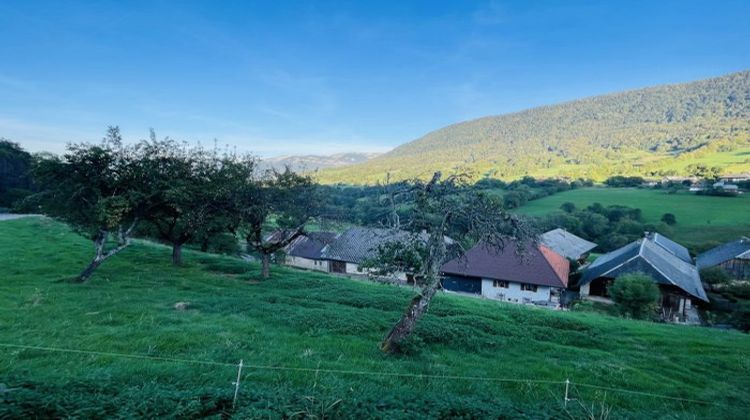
x,y
666,261
733,257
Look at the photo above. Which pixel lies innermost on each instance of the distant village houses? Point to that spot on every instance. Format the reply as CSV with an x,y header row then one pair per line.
x,y
725,186
735,177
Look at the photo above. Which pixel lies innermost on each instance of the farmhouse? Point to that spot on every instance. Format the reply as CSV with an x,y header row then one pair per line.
x,y
536,275
357,245
666,261
734,257
568,245
305,251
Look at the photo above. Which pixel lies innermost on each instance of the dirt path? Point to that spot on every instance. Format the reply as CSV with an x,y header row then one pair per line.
x,y
9,216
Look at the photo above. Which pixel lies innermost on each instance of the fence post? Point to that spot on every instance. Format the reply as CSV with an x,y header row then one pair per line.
x,y
237,385
567,385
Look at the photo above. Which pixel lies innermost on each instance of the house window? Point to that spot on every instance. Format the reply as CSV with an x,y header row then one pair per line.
x,y
528,287
500,283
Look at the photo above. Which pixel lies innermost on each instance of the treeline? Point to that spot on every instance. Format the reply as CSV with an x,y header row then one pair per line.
x,y
172,192
374,205
15,173
519,192
611,227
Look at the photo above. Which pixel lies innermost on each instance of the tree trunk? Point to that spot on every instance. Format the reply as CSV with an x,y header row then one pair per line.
x,y
266,271
177,253
100,242
204,244
405,326
89,270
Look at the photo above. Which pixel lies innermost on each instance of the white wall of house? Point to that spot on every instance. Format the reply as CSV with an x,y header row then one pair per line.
x,y
352,268
584,290
513,292
307,263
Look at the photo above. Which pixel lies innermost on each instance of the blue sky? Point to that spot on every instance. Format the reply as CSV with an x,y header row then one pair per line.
x,y
297,77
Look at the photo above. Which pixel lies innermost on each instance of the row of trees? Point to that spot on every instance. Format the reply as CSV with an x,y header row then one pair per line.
x,y
171,191
178,194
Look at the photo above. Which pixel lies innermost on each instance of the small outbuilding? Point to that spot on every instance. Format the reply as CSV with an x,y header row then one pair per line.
x,y
567,244
733,257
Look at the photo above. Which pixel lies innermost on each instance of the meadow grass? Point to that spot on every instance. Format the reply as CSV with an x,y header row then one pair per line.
x,y
308,320
700,218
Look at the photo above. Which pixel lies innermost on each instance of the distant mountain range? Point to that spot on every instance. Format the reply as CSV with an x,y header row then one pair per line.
x,y
310,163
654,131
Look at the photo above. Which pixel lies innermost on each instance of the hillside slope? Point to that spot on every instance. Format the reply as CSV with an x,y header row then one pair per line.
x,y
309,344
647,131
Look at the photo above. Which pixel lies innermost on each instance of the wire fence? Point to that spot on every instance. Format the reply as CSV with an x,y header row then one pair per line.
x,y
567,384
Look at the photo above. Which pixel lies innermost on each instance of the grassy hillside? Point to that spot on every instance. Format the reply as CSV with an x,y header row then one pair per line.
x,y
699,218
313,321
647,131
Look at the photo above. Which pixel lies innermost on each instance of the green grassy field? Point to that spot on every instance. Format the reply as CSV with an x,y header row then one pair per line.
x,y
699,218
302,320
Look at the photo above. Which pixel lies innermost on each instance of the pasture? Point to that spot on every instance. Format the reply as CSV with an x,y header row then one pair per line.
x,y
699,218
310,343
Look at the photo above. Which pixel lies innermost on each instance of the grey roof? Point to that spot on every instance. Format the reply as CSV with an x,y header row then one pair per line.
x,y
730,250
648,256
671,246
566,244
359,243
310,245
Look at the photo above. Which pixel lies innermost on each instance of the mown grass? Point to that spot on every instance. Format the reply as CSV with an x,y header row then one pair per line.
x,y
307,320
699,218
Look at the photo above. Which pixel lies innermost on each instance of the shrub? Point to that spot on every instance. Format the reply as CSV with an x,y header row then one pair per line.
x,y
714,275
513,200
224,243
568,207
635,294
741,317
669,219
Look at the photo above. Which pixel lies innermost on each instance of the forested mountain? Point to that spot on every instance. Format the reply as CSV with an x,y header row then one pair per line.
x,y
314,162
653,131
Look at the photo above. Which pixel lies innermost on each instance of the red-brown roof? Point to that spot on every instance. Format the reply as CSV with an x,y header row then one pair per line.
x,y
537,264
